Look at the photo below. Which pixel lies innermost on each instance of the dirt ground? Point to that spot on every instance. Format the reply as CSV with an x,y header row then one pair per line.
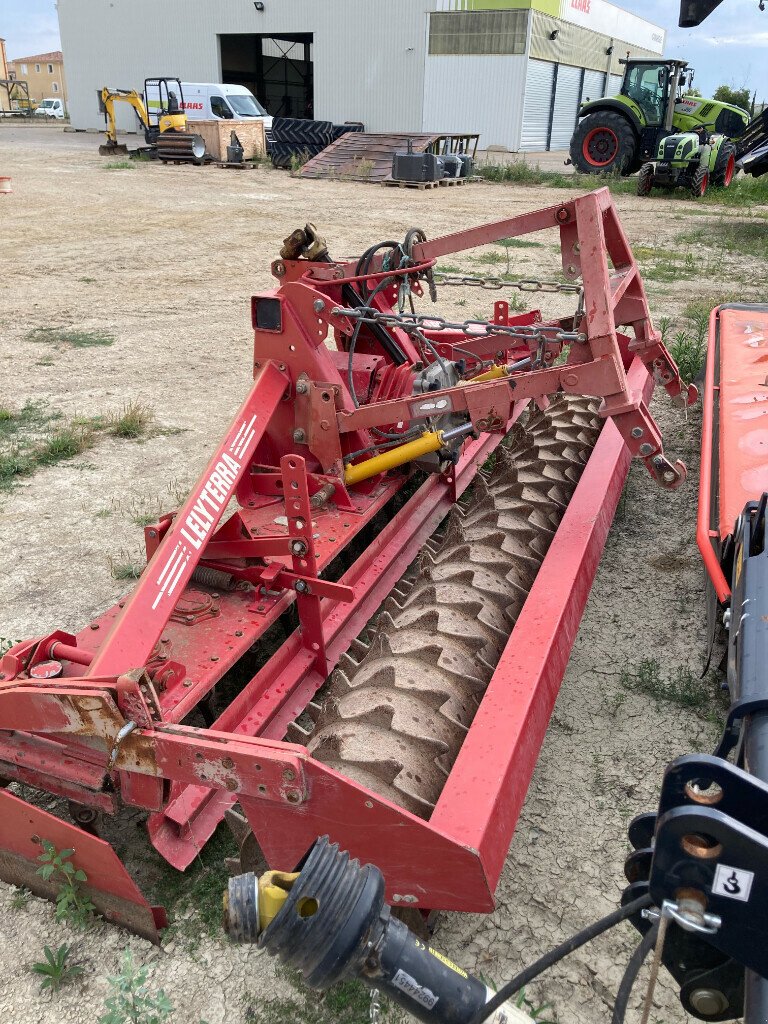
x,y
166,259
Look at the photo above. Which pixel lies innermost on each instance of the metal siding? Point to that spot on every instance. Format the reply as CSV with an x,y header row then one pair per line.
x,y
362,71
538,102
594,86
476,94
578,46
566,106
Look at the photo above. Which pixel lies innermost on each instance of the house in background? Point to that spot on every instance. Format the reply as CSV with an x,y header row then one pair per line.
x,y
43,73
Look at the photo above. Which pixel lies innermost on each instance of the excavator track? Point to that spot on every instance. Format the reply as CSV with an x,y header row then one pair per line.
x,y
395,717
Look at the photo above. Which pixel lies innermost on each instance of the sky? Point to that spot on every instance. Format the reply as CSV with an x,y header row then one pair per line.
x,y
730,48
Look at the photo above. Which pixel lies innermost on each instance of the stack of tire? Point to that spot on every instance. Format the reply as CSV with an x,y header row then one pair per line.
x,y
298,140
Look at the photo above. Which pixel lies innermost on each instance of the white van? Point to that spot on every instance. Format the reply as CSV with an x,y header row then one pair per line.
x,y
50,107
207,101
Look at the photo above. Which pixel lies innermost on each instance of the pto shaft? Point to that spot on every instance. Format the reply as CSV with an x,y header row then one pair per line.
x,y
330,922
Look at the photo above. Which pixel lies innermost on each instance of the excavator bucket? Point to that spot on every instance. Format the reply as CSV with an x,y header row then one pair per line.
x,y
113,149
421,506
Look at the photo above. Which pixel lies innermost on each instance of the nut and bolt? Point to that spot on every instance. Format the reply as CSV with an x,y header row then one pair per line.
x,y
637,432
299,436
646,450
298,547
301,587
301,387
318,305
289,775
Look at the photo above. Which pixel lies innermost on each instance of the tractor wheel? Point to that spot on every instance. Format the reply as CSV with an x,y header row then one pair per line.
x,y
645,179
603,142
725,166
700,183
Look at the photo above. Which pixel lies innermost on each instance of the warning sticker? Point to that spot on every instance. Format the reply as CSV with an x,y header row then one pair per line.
x,y
418,993
735,883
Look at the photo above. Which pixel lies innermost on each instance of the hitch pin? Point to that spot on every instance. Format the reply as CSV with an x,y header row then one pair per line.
x,y
124,733
688,913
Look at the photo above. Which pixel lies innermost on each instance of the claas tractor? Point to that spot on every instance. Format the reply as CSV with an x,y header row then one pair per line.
x,y
620,134
691,160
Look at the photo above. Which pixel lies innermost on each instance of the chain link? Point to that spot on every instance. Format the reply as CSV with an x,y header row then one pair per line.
x,y
498,283
414,323
374,1011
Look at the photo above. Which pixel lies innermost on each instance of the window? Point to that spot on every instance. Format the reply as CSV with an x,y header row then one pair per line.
x,y
219,108
37,69
23,69
646,84
246,106
478,32
55,86
50,69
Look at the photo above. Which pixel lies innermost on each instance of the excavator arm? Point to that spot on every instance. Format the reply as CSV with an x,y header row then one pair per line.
x,y
109,97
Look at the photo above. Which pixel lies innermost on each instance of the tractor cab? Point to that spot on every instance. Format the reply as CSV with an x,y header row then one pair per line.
x,y
656,88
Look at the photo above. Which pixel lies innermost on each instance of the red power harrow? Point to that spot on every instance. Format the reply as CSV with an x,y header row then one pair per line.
x,y
360,416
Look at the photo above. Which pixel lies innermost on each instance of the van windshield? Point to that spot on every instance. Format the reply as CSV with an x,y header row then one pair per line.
x,y
245,106
47,103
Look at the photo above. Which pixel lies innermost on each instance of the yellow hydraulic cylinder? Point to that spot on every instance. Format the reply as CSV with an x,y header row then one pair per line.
x,y
430,441
495,373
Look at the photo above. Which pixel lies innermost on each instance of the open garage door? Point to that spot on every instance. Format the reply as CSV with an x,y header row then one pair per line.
x,y
278,69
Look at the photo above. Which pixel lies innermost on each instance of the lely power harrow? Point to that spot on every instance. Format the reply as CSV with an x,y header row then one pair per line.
x,y
366,424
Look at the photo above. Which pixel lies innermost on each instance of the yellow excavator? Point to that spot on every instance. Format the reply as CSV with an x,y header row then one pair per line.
x,y
160,111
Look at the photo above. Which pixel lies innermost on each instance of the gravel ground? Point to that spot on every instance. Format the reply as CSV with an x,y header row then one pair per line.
x,y
165,259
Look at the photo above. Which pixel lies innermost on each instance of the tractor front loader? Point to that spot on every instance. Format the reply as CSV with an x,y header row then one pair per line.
x,y
422,505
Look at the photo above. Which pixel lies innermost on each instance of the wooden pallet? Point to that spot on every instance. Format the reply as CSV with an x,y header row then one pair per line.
x,y
424,185
236,167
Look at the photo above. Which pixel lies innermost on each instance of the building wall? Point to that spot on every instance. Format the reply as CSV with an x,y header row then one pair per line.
x,y
4,102
369,58
42,83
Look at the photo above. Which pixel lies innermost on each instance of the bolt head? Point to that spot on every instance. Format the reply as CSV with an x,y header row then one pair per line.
x,y
302,387
646,450
637,432
318,305
709,1002
299,436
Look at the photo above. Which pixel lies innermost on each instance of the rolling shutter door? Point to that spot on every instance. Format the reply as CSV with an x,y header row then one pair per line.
x,y
538,103
614,85
566,108
594,85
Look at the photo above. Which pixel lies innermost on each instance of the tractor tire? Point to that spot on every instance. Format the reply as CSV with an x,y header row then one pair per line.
x,y
700,183
604,143
400,704
645,179
725,166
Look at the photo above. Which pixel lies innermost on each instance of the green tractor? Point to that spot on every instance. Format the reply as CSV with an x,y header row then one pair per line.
x,y
691,160
620,134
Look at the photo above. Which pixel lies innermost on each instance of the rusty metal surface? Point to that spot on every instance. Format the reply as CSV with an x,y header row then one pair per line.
x,y
364,156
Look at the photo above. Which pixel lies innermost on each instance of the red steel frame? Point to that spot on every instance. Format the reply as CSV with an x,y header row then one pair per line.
x,y
108,729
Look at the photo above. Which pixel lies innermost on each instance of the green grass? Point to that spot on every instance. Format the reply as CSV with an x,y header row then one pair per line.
x,y
119,165
680,687
519,243
346,1003
125,570
75,339
132,421
742,237
743,193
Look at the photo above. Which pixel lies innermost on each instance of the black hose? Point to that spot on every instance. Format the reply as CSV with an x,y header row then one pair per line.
x,y
630,975
557,954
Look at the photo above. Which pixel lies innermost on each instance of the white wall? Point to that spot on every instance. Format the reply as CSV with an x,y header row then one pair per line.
x,y
369,56
476,94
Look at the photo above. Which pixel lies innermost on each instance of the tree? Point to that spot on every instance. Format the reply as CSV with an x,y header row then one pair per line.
x,y
693,91
736,97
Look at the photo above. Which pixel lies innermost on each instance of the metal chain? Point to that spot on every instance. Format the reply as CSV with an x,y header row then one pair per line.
x,y
374,1011
498,283
413,323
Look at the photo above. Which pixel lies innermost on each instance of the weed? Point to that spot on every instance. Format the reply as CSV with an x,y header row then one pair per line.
x,y
682,687
64,443
132,421
119,165
298,160
56,969
131,1001
537,1012
103,513
21,897
87,280
13,464
76,339
743,237
125,570
520,243
347,1003
491,257
72,903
